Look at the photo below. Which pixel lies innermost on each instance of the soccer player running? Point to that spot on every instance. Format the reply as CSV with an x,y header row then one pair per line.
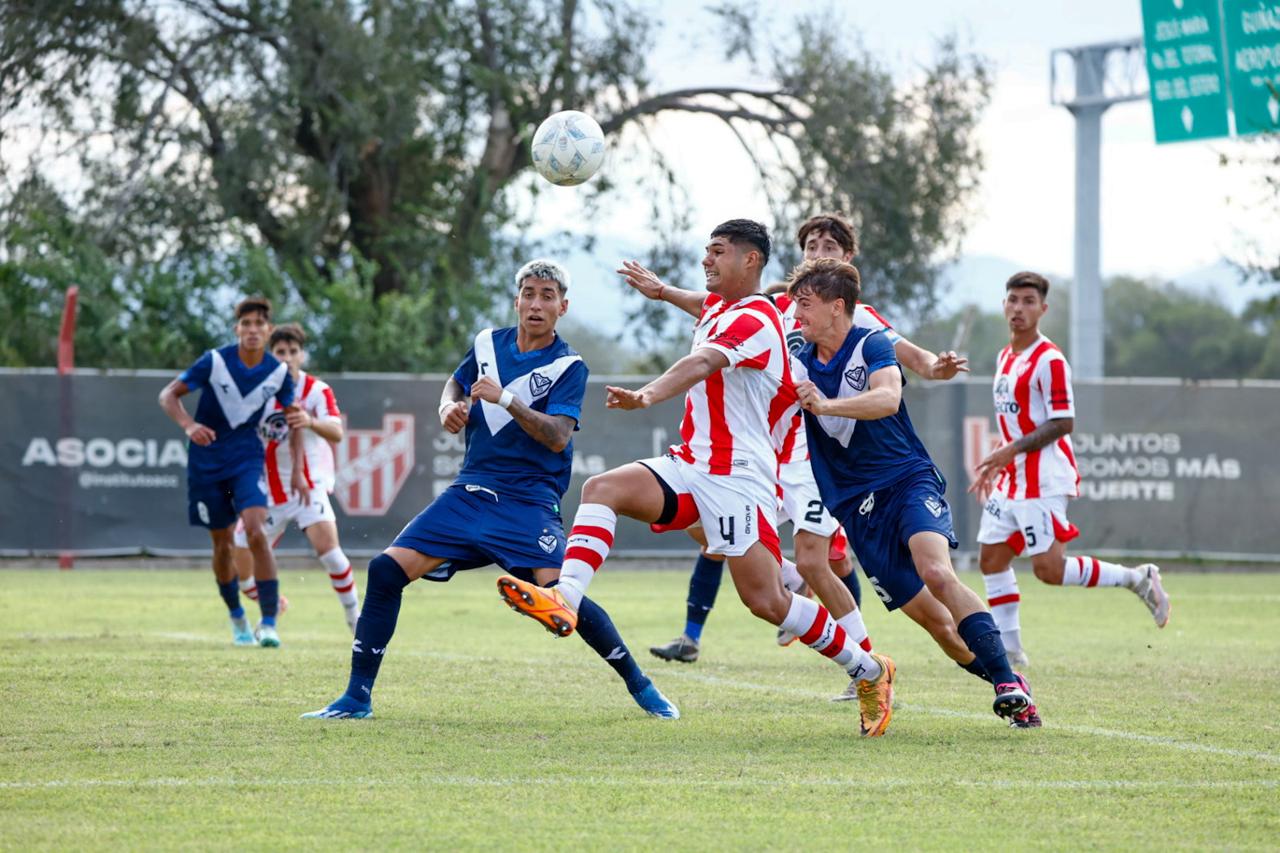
x,y
820,553
876,477
318,419
224,461
518,394
739,385
1027,481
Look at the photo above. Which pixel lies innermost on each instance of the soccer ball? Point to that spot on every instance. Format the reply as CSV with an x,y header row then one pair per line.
x,y
568,148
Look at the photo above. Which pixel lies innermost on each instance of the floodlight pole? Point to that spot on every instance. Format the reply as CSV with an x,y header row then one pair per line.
x,y
1104,74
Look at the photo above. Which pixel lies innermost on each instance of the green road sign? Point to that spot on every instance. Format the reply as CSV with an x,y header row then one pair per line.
x,y
1185,67
1253,63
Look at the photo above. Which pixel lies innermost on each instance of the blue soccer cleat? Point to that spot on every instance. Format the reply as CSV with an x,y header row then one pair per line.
x,y
242,633
655,704
344,708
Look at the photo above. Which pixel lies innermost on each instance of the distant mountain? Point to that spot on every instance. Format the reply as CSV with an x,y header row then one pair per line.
x,y
979,280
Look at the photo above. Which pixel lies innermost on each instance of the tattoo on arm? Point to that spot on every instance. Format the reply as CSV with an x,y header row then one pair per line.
x,y
1044,435
551,431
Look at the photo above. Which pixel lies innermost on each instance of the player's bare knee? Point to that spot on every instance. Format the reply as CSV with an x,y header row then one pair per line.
x,y
602,489
937,575
1047,570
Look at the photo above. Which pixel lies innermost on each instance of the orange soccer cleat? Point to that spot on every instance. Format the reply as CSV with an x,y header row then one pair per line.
x,y
875,699
545,605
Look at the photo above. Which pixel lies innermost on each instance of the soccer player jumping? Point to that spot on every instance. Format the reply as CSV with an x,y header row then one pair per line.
x,y
1026,482
724,473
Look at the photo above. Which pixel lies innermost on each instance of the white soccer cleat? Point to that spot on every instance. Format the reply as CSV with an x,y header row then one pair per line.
x,y
266,636
850,693
785,637
242,633
1152,593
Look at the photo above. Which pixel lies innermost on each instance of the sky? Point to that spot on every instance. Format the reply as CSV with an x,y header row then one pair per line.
x,y
1167,210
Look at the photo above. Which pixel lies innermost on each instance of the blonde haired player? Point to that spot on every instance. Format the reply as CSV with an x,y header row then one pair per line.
x,y
320,422
1026,482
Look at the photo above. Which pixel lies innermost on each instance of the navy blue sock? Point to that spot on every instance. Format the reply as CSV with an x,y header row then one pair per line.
x,y
382,592
974,667
269,600
230,592
595,626
855,589
704,583
980,634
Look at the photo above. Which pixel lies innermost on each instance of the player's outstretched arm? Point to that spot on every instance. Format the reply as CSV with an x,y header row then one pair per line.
x,y
652,287
1040,437
551,431
881,399
680,377
926,365
171,401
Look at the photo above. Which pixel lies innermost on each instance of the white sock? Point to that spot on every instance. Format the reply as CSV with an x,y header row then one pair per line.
x,y
853,625
791,576
589,542
1004,601
249,588
1090,571
811,622
341,576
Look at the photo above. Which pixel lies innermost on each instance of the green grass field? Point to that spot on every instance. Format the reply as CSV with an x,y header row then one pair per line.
x,y
130,721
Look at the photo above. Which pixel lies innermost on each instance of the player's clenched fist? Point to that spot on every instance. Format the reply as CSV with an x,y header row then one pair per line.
x,y
485,388
624,398
453,416
201,434
810,397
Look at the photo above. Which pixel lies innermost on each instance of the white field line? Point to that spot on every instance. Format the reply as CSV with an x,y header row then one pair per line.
x,y
1155,740
645,782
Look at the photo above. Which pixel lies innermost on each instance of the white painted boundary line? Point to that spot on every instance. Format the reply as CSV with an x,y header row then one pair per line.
x,y
646,782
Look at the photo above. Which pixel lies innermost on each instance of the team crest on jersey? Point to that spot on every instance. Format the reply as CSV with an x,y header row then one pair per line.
x,y
547,541
274,427
373,464
795,341
934,506
538,384
856,377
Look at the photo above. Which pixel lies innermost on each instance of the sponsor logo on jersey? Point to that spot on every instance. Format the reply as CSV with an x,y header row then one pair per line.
x,y
856,377
868,504
373,465
274,427
538,384
1004,400
795,341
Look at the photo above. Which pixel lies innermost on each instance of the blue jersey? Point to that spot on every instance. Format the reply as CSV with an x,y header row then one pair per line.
x,y
500,455
231,405
851,457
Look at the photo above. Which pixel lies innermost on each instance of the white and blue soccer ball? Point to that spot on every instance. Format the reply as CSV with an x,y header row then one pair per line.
x,y
568,148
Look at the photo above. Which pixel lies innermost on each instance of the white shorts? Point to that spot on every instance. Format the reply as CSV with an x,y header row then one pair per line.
x,y
1028,526
800,503
735,512
315,510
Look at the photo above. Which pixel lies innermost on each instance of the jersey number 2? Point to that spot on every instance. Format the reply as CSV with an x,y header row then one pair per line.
x,y
814,515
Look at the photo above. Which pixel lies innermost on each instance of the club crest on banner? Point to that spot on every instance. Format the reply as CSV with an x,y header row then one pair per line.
x,y
373,464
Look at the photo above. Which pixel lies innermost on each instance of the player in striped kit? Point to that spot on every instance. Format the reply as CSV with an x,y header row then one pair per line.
x,y
1026,482
724,473
320,422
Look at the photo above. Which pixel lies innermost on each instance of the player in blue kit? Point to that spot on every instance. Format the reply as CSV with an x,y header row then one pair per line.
x,y
876,477
224,461
518,394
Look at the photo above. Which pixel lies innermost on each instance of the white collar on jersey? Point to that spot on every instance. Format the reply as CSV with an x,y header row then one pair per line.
x,y
236,407
526,388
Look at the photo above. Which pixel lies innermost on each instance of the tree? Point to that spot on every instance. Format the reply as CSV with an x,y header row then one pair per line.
x,y
373,150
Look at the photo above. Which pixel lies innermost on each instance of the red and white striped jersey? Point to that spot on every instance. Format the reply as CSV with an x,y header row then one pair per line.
x,y
316,399
1031,387
793,446
730,418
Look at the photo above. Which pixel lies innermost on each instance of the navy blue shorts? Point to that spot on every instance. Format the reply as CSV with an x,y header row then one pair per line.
x,y
471,527
882,522
217,504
